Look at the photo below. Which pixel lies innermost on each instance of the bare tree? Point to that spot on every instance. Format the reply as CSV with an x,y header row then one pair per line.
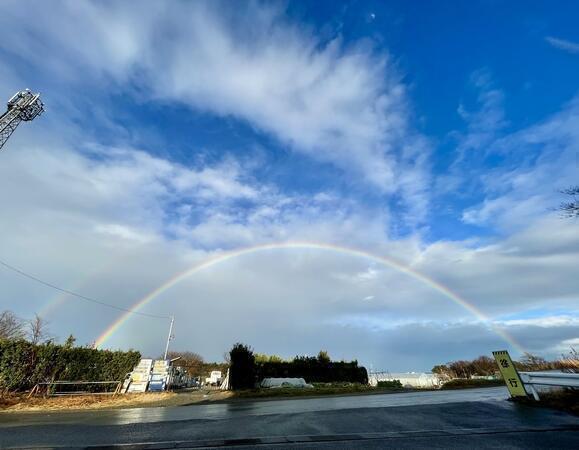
x,y
191,361
534,362
441,369
483,365
37,329
570,209
570,361
461,369
11,326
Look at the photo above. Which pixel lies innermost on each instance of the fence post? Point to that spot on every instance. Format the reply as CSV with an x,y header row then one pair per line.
x,y
33,391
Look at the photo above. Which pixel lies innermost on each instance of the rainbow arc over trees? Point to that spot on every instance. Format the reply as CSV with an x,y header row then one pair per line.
x,y
385,261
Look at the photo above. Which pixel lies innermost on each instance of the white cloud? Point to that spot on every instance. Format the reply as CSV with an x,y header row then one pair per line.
x,y
96,225
123,232
484,122
539,162
545,322
337,103
484,118
562,44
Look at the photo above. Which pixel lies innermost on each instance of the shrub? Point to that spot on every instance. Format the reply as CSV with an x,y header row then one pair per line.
x,y
242,368
324,357
395,384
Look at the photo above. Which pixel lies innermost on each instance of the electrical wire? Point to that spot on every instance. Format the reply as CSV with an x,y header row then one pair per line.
x,y
74,294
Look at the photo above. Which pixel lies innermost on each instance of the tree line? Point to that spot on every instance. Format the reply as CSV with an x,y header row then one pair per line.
x,y
247,368
486,366
194,363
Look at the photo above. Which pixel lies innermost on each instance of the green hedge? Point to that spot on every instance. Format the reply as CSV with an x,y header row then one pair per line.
x,y
394,384
461,383
313,370
23,364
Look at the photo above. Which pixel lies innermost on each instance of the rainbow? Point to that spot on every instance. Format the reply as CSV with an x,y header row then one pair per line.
x,y
225,256
50,306
62,297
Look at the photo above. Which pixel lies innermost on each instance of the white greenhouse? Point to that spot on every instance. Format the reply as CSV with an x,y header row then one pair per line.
x,y
407,379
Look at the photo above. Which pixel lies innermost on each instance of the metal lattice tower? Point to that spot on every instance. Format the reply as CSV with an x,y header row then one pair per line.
x,y
23,105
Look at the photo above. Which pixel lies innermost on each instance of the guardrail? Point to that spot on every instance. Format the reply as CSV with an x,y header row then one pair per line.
x,y
559,379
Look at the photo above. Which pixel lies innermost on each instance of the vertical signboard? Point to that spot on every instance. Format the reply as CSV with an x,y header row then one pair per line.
x,y
510,374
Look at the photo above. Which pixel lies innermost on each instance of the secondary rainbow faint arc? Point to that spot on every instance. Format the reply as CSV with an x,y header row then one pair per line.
x,y
62,297
222,257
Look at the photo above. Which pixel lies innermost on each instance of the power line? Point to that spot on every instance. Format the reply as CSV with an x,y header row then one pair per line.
x,y
74,294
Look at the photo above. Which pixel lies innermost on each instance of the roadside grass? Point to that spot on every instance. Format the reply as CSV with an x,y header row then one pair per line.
x,y
463,383
564,400
20,402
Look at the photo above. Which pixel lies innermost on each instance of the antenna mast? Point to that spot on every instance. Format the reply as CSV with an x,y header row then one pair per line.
x,y
170,337
23,106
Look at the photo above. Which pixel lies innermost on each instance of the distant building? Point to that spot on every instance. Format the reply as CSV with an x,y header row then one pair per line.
x,y
407,379
214,379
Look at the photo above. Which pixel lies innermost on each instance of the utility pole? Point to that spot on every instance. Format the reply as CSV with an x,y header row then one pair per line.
x,y
23,106
170,337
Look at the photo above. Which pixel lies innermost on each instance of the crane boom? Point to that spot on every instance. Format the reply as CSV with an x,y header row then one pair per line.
x,y
23,106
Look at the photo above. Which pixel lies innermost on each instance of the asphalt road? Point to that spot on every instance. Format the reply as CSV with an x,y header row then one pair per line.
x,y
479,418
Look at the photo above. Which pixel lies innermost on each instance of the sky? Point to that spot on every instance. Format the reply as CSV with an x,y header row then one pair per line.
x,y
435,135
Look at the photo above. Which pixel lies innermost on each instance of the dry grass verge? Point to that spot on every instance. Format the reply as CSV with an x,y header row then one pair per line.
x,y
564,400
21,402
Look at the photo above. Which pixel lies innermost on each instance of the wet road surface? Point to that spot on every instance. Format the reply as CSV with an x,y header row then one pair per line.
x,y
244,408
444,419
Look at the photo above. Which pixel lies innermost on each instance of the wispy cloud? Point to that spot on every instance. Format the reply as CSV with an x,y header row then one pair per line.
x,y
483,114
562,44
339,103
522,188
487,119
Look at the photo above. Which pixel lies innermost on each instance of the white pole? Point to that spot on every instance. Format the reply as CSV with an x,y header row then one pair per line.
x,y
169,337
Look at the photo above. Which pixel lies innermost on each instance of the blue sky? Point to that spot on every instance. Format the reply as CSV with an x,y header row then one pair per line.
x,y
435,133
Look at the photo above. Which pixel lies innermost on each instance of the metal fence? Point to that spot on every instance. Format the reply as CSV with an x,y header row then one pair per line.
x,y
532,380
60,388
